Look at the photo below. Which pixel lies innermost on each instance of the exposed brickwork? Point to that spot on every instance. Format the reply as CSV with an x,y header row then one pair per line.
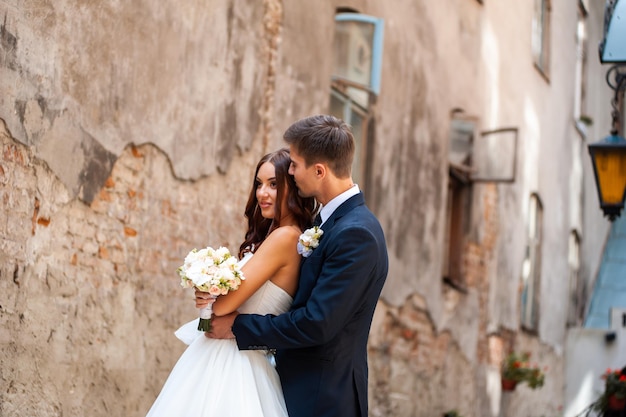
x,y
411,364
479,256
90,292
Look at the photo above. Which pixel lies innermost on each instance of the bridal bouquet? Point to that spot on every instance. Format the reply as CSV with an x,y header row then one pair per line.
x,y
214,271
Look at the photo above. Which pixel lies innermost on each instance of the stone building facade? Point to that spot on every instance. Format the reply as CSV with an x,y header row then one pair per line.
x,y
130,131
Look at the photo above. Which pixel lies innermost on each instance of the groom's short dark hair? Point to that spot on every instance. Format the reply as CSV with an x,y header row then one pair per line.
x,y
323,138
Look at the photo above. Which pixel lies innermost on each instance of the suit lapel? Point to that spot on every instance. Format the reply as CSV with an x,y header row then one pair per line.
x,y
310,270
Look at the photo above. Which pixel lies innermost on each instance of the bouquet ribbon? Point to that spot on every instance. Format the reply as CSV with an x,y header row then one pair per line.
x,y
205,314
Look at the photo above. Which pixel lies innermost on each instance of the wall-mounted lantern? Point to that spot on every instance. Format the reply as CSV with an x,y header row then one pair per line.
x,y
608,155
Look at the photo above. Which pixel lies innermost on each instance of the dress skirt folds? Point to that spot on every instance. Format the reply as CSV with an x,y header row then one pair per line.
x,y
213,378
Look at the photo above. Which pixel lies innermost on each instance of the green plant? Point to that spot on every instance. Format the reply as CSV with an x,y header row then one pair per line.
x,y
452,413
516,367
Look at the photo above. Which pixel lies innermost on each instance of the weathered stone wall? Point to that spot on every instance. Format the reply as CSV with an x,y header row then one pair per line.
x,y
419,370
90,295
129,131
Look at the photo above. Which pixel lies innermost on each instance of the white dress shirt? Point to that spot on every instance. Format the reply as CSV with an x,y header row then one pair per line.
x,y
332,205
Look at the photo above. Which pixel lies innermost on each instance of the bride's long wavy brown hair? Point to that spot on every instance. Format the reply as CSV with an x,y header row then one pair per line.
x,y
301,208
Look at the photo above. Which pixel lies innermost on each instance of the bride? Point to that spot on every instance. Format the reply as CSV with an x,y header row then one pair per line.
x,y
213,377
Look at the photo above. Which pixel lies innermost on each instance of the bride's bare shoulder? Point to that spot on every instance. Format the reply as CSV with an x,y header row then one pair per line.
x,y
286,231
280,242
284,235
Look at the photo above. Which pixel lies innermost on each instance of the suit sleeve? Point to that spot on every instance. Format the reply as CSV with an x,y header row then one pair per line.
x,y
345,277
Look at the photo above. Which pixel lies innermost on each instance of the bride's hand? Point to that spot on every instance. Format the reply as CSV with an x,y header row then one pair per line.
x,y
203,299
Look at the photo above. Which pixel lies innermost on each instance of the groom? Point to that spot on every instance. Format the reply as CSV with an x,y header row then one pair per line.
x,y
322,340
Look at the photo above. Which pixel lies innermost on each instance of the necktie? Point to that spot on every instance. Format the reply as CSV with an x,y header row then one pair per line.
x,y
318,220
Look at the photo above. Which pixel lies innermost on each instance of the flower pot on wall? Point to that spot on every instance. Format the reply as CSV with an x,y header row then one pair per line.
x,y
516,368
508,384
616,404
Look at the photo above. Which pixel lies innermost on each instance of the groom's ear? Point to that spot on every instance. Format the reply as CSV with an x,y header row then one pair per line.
x,y
320,170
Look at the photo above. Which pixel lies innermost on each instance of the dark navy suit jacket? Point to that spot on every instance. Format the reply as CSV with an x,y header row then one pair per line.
x,y
322,340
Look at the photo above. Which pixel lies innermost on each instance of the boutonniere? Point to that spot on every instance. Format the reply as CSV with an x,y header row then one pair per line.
x,y
309,240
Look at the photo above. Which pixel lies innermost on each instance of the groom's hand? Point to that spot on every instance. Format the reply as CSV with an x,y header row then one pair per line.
x,y
221,326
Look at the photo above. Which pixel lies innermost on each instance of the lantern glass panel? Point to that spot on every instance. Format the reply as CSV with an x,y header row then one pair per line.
x,y
611,172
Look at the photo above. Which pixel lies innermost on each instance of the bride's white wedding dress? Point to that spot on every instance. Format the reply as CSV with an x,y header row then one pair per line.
x,y
214,378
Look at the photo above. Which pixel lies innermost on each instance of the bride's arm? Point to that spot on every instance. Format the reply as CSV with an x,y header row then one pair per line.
x,y
277,252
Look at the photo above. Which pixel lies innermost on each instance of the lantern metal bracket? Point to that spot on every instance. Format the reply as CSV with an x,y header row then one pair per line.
x,y
616,79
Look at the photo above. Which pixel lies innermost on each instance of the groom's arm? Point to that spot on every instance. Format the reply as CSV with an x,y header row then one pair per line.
x,y
221,326
346,277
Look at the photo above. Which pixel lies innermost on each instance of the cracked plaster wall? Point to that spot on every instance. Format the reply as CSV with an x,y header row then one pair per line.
x,y
124,121
86,80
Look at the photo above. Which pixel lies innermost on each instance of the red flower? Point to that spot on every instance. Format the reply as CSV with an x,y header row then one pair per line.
x,y
615,383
